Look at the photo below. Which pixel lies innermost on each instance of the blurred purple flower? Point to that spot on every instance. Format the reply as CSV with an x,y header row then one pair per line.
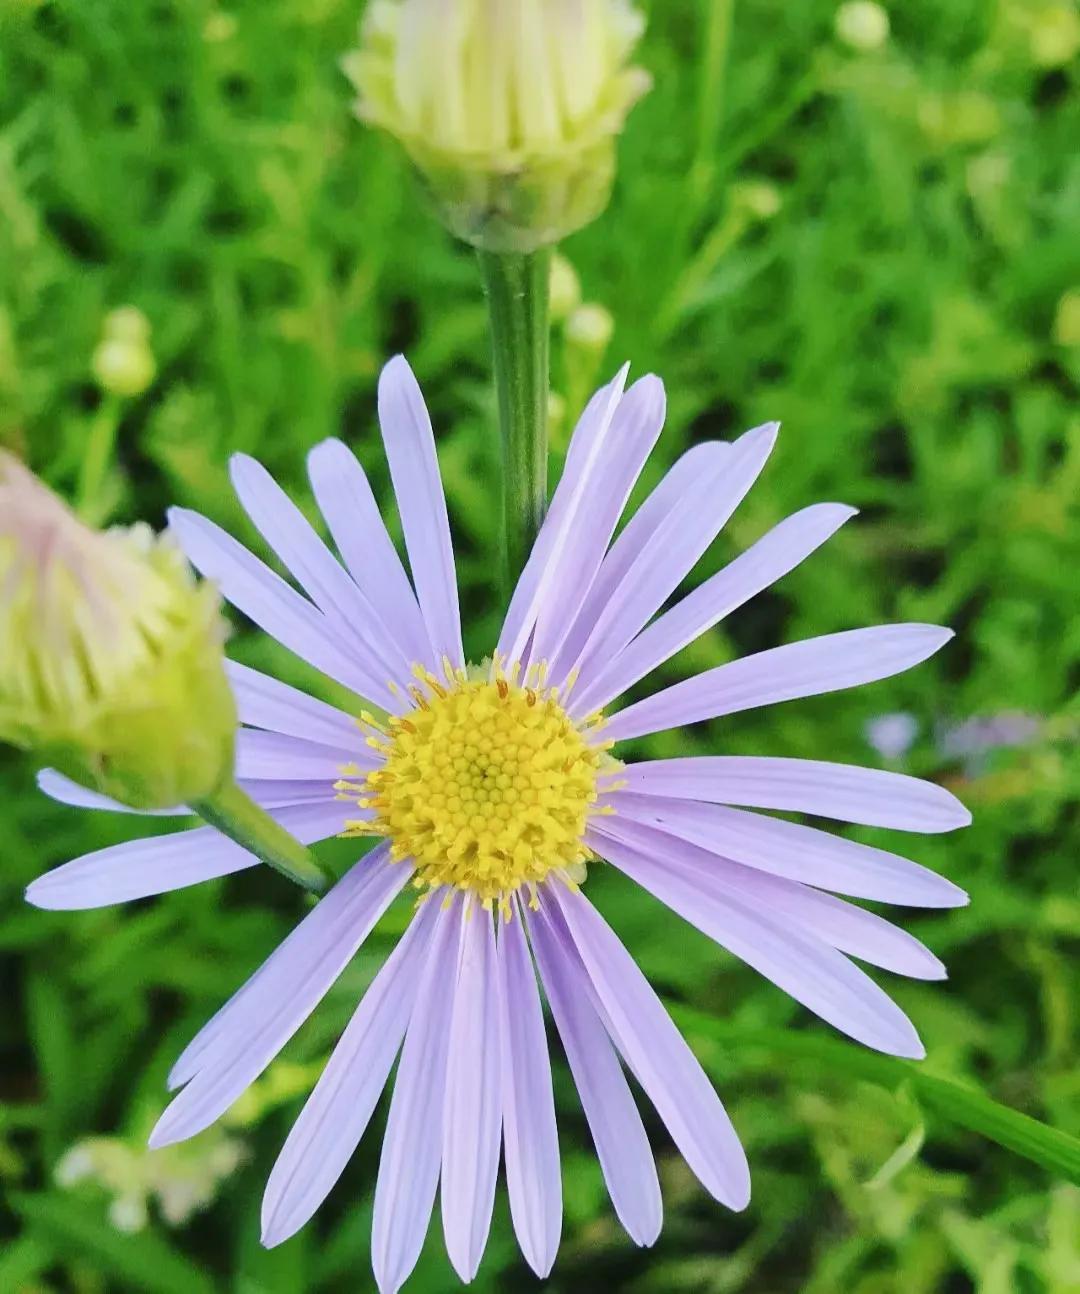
x,y
973,739
892,735
493,813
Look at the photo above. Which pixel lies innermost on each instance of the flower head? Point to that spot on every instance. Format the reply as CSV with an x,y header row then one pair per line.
x,y
509,108
488,788
111,659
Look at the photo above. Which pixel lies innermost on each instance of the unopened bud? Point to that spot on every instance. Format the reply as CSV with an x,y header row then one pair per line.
x,y
758,198
111,662
1054,35
862,25
564,286
509,108
590,327
123,362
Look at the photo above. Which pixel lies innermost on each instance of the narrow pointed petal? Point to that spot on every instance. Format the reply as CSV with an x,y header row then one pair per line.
x,y
669,553
252,1027
412,1146
806,968
808,668
635,427
276,794
618,1134
850,929
843,791
292,537
352,516
274,755
552,555
658,1054
62,789
337,1112
656,510
138,869
265,702
414,468
268,792
276,608
472,1112
793,851
530,1135
760,566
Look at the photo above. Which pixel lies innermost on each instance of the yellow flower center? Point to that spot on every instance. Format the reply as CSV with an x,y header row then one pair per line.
x,y
486,786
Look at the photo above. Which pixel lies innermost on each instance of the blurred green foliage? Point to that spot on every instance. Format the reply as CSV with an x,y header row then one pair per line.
x,y
881,247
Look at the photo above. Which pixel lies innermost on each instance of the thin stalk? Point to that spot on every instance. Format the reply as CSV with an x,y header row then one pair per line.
x,y
516,286
97,459
237,816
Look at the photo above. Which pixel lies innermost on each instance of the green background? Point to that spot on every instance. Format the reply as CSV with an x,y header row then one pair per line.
x,y
897,295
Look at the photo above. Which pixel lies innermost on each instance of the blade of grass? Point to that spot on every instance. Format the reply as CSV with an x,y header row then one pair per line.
x,y
950,1101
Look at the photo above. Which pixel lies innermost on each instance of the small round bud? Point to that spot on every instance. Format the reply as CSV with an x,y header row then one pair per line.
x,y
111,662
1054,35
123,362
757,198
508,108
590,327
126,323
564,287
862,25
219,27
123,368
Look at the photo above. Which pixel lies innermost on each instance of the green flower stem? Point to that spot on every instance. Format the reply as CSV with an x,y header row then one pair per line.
x,y
516,286
237,816
97,459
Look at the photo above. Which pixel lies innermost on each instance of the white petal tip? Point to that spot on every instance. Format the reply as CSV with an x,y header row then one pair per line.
x,y
160,1137
275,1232
958,815
52,896
766,434
465,1265
910,1049
241,464
388,1284
540,1264
37,895
397,368
327,450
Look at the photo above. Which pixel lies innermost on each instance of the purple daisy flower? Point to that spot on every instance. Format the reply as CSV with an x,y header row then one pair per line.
x,y
491,788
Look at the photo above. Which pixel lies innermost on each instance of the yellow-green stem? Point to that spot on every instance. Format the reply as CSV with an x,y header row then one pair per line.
x,y
237,816
516,286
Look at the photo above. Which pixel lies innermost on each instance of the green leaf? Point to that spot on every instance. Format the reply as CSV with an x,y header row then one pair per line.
x,y
143,1261
953,1102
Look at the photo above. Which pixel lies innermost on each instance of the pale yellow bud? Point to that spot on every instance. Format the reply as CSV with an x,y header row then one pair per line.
x,y
590,327
564,287
1055,35
123,368
509,108
758,198
111,662
862,25
123,362
126,323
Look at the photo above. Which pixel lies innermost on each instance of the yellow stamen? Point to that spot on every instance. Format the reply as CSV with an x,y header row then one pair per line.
x,y
487,785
